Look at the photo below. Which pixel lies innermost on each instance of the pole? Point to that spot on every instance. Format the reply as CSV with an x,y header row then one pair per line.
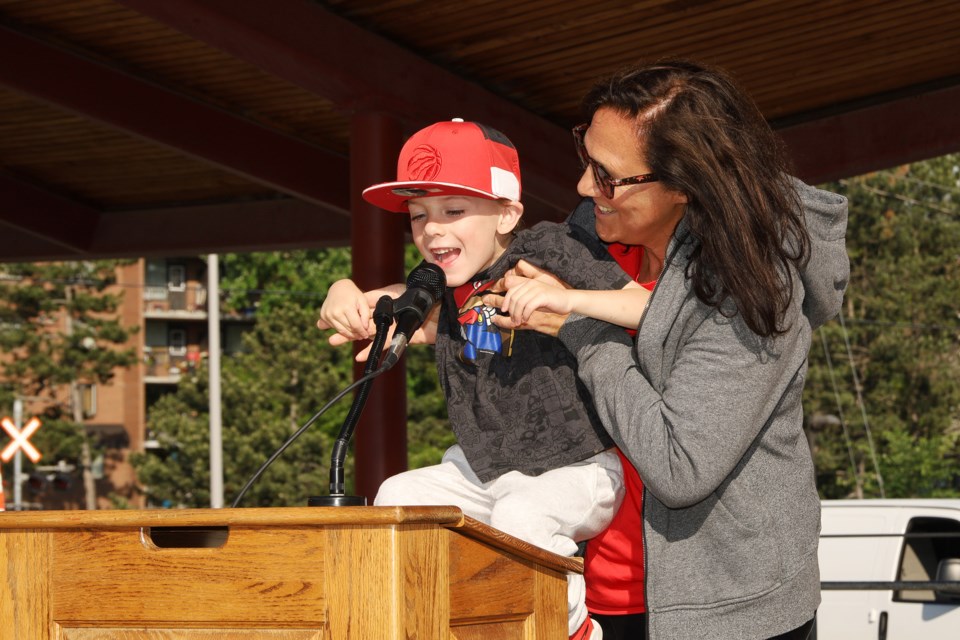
x,y
18,459
377,241
213,364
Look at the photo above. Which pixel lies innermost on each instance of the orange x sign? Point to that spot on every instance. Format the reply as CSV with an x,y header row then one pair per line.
x,y
20,439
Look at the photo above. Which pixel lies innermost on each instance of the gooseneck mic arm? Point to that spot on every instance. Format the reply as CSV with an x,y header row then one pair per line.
x,y
425,286
382,318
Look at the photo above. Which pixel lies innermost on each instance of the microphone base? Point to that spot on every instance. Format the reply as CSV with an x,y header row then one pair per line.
x,y
337,501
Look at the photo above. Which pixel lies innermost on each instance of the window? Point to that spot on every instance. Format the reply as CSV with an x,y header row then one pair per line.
x,y
176,277
927,543
88,399
177,341
156,280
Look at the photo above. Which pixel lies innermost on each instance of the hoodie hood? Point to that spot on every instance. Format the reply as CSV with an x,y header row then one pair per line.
x,y
827,272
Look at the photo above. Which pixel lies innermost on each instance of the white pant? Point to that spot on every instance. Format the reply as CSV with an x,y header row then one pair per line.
x,y
554,510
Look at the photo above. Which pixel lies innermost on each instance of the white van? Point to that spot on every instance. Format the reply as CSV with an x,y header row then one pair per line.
x,y
878,559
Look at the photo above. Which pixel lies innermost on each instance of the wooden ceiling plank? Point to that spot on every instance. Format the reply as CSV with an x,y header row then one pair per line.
x,y
598,40
494,25
578,48
882,52
753,31
762,42
887,53
837,88
131,104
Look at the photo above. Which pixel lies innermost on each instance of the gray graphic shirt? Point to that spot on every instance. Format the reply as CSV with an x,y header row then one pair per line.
x,y
513,398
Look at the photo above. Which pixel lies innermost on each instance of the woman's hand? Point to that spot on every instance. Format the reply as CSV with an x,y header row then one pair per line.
x,y
531,289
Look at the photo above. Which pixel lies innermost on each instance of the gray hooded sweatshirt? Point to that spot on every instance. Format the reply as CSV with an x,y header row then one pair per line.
x,y
710,414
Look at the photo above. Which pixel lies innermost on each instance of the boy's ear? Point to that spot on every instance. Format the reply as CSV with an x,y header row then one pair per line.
x,y
510,216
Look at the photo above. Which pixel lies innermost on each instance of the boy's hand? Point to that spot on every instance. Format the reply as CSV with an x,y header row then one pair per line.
x,y
535,299
346,311
426,334
345,303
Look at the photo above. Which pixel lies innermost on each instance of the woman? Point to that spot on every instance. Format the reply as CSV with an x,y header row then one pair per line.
x,y
705,401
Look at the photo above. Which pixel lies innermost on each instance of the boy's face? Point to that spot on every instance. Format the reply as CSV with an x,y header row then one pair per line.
x,y
462,235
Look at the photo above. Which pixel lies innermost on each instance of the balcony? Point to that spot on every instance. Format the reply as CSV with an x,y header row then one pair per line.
x,y
165,366
165,303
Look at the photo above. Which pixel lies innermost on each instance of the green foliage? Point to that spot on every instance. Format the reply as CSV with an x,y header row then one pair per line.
x,y
58,326
262,280
917,466
900,321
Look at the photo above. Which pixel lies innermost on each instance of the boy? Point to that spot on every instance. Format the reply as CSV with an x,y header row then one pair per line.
x,y
531,458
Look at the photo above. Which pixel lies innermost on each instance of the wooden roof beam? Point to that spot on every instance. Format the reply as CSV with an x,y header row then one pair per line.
x,y
879,136
48,219
285,224
311,47
268,225
140,107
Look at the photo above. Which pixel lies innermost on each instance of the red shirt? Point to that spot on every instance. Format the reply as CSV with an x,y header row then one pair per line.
x,y
613,566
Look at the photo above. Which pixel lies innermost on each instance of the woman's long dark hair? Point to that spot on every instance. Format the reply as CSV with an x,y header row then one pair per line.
x,y
706,139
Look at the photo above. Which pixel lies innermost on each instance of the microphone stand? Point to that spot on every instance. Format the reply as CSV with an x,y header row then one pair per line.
x,y
382,319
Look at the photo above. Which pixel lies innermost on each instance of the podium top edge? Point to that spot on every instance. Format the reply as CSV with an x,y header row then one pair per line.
x,y
242,517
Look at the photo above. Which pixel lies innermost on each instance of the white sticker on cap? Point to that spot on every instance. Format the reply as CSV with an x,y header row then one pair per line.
x,y
504,184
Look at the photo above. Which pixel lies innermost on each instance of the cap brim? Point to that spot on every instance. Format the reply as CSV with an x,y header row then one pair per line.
x,y
393,196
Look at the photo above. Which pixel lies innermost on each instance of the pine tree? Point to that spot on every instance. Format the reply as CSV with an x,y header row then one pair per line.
x,y
58,329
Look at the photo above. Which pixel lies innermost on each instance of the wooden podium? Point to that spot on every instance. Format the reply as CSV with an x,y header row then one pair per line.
x,y
363,573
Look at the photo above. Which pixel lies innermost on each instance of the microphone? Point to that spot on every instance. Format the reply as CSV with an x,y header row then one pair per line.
x,y
425,286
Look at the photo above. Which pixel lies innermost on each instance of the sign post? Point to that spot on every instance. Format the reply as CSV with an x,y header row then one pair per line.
x,y
19,445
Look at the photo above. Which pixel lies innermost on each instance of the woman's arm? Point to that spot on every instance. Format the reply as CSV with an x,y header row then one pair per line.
x,y
531,289
623,308
687,434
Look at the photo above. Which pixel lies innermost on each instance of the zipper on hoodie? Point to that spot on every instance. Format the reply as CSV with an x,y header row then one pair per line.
x,y
677,242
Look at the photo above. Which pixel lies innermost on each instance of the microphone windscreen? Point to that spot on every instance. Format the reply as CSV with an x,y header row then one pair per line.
x,y
428,277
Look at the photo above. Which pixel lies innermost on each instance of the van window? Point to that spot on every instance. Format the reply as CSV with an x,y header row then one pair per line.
x,y
928,541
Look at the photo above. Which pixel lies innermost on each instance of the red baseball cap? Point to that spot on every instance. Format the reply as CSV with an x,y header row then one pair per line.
x,y
451,158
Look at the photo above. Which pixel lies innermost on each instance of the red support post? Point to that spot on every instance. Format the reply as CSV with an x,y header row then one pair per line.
x,y
377,241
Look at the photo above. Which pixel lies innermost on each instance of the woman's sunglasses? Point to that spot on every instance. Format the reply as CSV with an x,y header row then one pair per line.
x,y
601,178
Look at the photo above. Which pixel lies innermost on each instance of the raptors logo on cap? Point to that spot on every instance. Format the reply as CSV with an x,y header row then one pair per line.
x,y
425,163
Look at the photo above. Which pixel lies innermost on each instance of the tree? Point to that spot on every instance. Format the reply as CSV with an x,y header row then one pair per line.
x,y
58,329
262,280
899,380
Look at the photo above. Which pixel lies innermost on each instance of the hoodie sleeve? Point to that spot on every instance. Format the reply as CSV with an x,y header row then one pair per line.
x,y
686,433
828,270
